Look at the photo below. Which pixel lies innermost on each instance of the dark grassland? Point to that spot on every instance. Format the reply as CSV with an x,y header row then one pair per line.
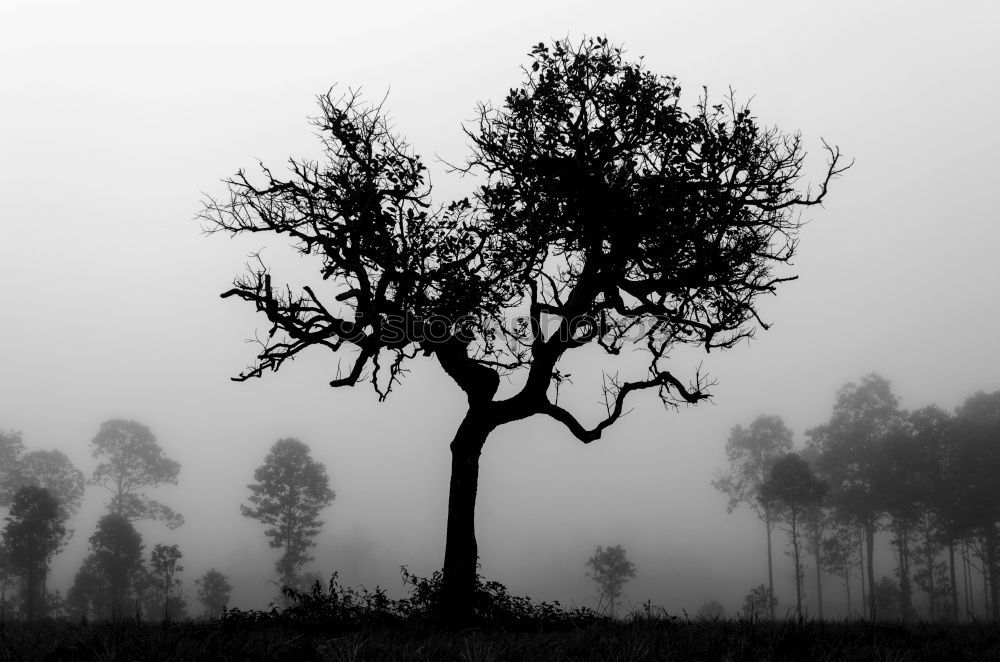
x,y
344,624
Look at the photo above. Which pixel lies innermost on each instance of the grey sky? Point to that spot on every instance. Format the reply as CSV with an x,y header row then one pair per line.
x,y
117,117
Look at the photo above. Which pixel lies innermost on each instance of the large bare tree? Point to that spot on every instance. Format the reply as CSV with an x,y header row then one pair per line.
x,y
608,215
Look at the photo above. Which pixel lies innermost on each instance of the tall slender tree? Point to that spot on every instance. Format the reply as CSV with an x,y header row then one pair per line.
x,y
291,490
752,452
848,447
794,490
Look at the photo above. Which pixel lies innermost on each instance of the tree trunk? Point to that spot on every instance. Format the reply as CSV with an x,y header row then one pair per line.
x,y
870,544
954,586
798,567
905,597
861,574
991,562
817,541
847,586
770,566
461,553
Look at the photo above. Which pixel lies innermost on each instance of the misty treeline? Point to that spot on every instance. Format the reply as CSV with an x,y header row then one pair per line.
x,y
925,481
120,577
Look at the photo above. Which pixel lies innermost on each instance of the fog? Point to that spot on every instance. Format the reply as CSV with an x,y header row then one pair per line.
x,y
118,120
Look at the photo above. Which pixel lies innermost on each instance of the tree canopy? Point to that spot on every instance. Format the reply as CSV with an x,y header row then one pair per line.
x,y
131,459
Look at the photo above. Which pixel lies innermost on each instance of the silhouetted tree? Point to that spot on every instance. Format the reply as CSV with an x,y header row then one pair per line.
x,y
53,471
977,492
130,460
838,557
163,563
117,550
759,602
11,448
751,452
291,490
608,216
848,448
611,569
793,490
213,592
88,596
33,534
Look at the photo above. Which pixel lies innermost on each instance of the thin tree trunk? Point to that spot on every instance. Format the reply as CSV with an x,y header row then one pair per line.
x,y
798,568
870,542
906,599
461,552
861,574
847,585
819,575
770,566
954,585
991,570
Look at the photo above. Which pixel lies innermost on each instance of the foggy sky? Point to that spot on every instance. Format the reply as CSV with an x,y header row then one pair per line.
x,y
118,118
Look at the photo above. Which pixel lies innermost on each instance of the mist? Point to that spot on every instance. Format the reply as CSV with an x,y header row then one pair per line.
x,y
121,120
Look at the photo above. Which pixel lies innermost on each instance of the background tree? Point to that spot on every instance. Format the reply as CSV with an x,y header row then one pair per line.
x,y
759,602
838,557
130,459
117,550
214,590
751,453
848,448
608,216
54,472
165,566
33,534
291,490
977,490
11,448
793,490
611,569
88,597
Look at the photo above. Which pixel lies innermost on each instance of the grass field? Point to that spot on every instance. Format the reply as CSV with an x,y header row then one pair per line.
x,y
341,624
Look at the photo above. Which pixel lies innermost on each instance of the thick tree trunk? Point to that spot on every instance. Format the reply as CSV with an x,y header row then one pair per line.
x,y
461,553
770,567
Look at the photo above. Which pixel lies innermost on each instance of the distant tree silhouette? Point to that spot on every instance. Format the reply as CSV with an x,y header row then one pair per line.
x,y
848,447
838,556
608,216
55,472
214,590
49,469
793,490
11,448
116,548
611,569
759,602
33,534
291,490
130,460
165,566
751,452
